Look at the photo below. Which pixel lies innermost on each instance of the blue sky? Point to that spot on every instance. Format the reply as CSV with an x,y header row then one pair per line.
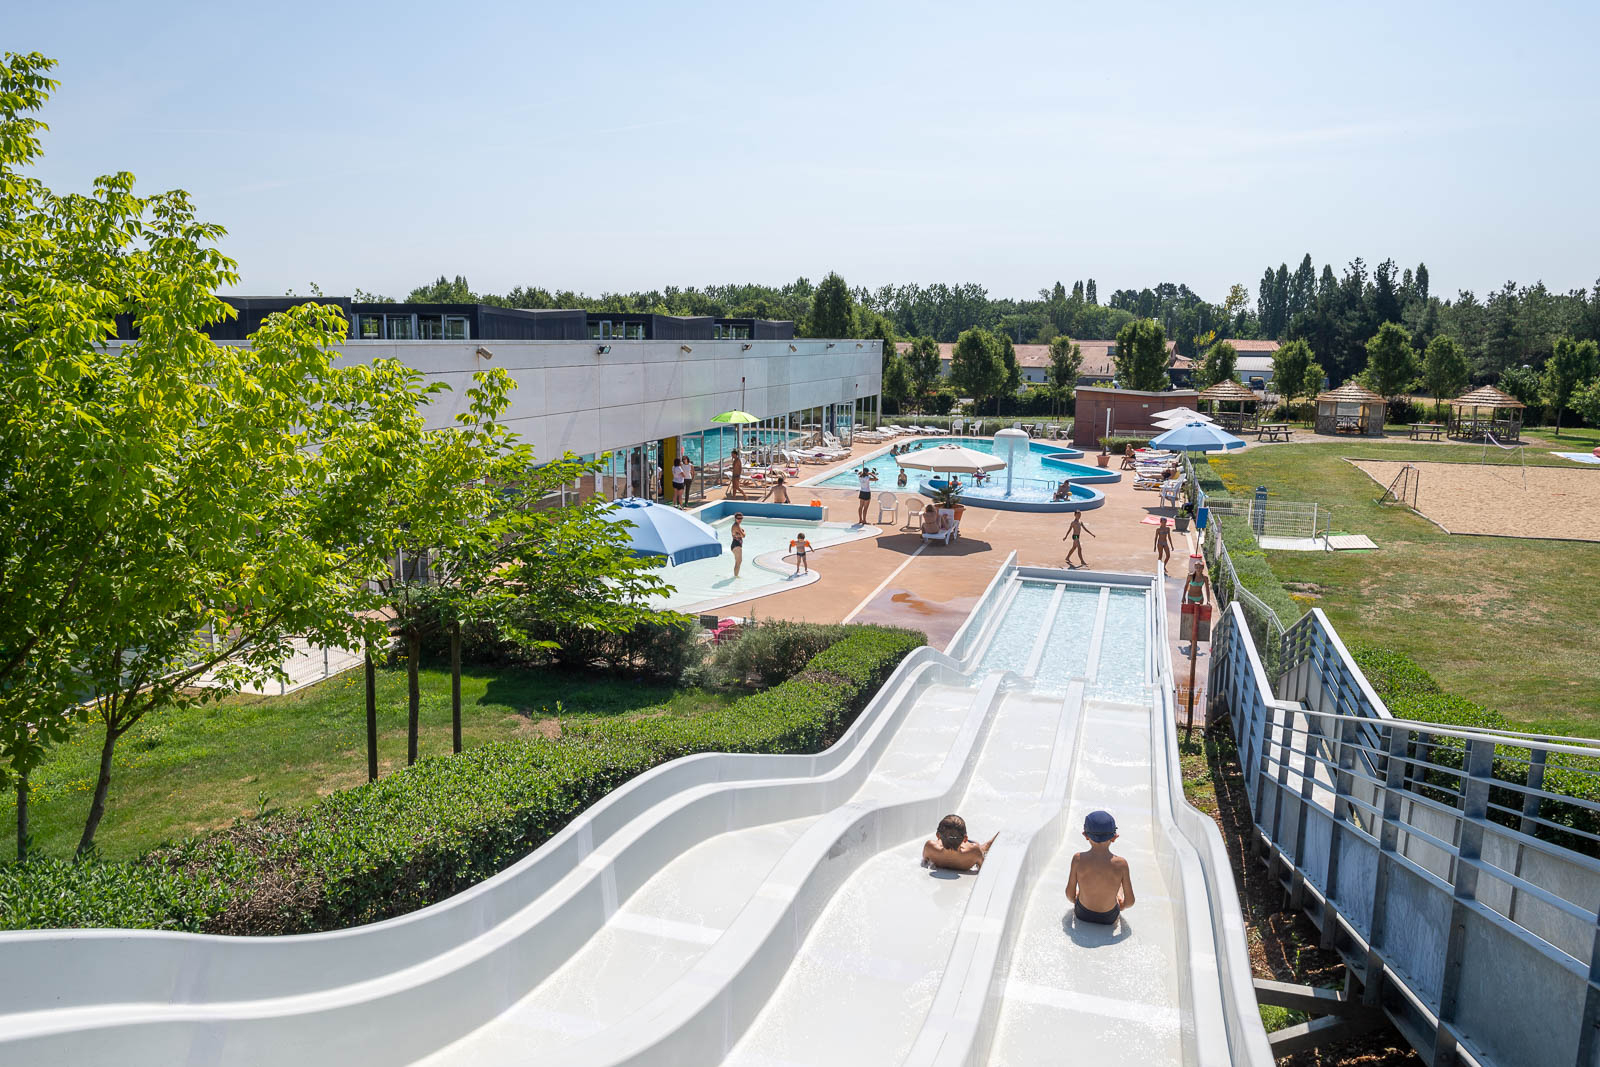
x,y
620,146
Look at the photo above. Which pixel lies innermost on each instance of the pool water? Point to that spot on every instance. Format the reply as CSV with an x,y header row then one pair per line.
x,y
1033,477
714,446
1121,674
1119,671
705,581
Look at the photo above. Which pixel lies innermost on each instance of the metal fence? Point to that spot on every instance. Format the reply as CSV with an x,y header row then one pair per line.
x,y
1274,518
1453,868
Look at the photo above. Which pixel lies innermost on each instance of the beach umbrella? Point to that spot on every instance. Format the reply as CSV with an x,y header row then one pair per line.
x,y
1197,437
1182,415
662,531
737,418
952,459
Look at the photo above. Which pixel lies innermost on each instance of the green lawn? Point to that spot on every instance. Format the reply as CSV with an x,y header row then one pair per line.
x,y
179,773
1502,621
1572,439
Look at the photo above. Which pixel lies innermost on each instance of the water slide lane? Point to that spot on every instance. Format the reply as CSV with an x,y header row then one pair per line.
x,y
1111,994
860,985
663,929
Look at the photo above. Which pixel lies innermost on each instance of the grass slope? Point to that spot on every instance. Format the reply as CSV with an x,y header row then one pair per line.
x,y
1502,621
177,774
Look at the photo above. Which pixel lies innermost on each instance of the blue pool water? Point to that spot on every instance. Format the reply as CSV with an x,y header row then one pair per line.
x,y
716,445
1121,673
1035,476
1013,639
1066,655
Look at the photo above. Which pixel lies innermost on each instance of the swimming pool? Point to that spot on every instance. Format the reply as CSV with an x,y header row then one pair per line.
x,y
705,584
1036,474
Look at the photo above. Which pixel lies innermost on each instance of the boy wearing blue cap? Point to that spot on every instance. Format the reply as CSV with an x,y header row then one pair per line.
x,y
1098,884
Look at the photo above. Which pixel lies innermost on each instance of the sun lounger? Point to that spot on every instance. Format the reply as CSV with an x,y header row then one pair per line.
x,y
944,536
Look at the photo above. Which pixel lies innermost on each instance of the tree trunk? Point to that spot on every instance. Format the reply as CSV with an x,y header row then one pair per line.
x,y
22,817
455,687
413,693
102,786
1558,420
372,717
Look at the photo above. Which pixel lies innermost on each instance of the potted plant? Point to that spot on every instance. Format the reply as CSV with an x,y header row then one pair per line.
x,y
1104,458
947,497
1181,522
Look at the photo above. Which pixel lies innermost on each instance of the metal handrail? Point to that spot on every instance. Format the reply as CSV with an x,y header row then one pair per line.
x,y
1419,872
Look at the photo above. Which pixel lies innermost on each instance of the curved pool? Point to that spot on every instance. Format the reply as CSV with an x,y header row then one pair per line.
x,y
1033,482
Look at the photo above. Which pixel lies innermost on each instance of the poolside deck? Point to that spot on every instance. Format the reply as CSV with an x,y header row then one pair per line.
x,y
895,580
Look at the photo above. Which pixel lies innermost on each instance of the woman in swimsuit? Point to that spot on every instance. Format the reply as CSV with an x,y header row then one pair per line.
x,y
1194,590
1163,545
737,544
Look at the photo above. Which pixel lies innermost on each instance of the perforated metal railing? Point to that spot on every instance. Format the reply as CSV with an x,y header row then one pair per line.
x,y
1454,868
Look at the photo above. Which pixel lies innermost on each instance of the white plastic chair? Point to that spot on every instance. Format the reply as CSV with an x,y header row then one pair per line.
x,y
888,505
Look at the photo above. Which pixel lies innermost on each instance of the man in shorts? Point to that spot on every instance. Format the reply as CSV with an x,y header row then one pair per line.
x,y
1098,884
949,847
864,479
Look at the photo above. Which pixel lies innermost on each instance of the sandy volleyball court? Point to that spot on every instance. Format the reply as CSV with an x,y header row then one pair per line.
x,y
1475,498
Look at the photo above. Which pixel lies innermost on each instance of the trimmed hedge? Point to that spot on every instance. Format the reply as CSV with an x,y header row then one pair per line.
x,y
1412,693
422,834
1119,445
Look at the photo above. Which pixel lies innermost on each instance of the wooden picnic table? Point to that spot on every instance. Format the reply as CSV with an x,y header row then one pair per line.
x,y
1431,430
1273,431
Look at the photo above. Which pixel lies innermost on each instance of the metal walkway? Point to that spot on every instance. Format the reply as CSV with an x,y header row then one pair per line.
x,y
1453,868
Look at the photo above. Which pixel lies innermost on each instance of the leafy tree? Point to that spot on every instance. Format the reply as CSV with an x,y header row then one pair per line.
x,y
1391,361
976,367
1220,364
923,363
1315,377
1572,365
1142,356
897,382
1066,360
832,310
175,511
1090,294
1586,402
443,291
1526,385
1444,369
871,326
1008,359
1289,366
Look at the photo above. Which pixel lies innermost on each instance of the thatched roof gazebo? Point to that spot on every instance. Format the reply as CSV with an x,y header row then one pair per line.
x,y
1486,410
1231,392
1350,409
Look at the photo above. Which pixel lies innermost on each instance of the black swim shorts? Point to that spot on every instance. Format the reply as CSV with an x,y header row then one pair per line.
x,y
1104,918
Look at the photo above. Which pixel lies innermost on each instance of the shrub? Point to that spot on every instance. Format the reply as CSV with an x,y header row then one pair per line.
x,y
1118,446
941,402
419,835
772,652
46,893
1402,410
1412,693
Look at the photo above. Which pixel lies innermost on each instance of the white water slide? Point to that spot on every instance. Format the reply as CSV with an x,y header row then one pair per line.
x,y
764,910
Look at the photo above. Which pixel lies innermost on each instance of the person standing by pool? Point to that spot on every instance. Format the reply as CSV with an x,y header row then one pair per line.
x,y
864,479
1074,529
801,546
736,543
779,492
734,492
1163,543
677,482
1194,588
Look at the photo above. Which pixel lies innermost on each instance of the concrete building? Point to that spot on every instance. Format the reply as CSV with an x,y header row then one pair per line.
x,y
631,392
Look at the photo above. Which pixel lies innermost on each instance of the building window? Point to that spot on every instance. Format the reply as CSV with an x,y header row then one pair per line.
x,y
456,328
368,328
730,332
400,327
430,328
